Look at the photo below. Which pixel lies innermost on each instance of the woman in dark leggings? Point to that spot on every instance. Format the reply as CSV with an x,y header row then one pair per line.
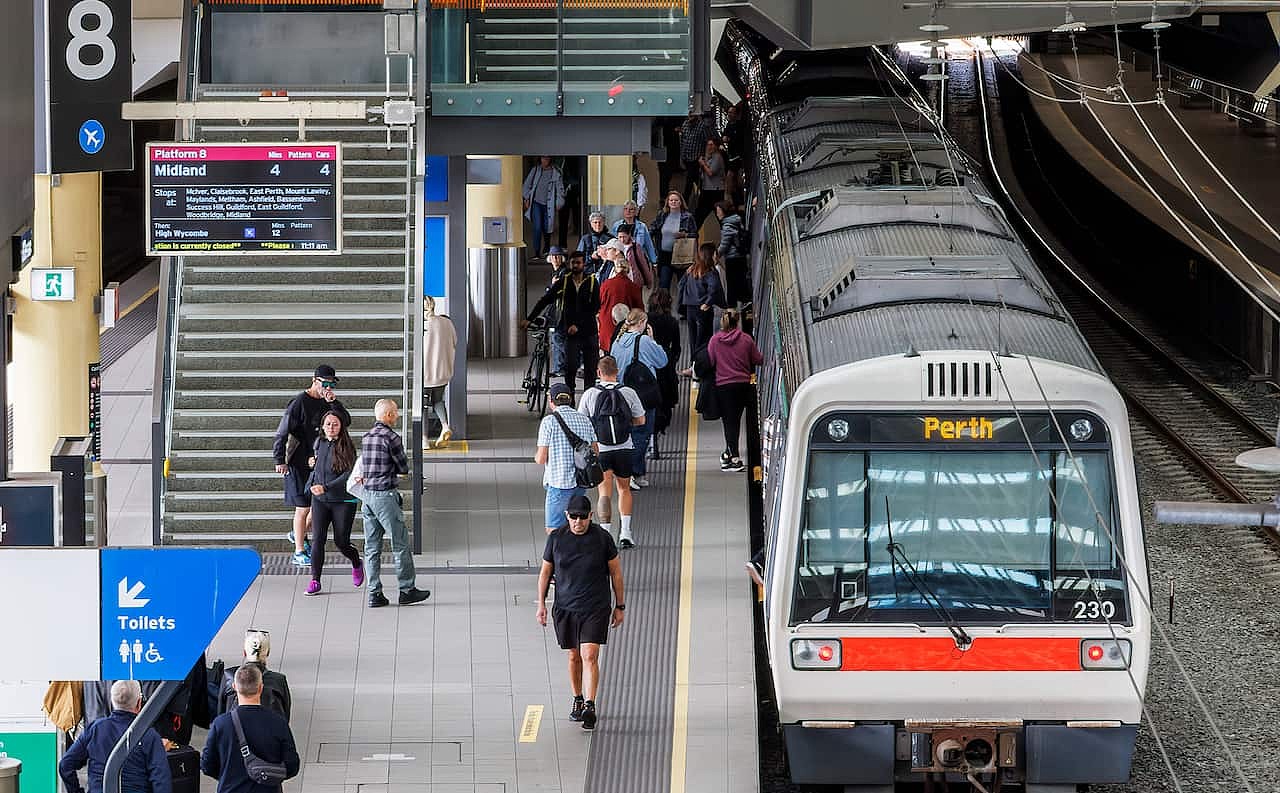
x,y
735,356
331,504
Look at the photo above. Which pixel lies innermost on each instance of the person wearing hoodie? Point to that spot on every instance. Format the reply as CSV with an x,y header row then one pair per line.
x,y
735,356
733,251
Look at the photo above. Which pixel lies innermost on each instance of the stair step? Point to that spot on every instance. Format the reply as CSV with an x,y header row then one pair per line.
x,y
346,342
276,293
343,275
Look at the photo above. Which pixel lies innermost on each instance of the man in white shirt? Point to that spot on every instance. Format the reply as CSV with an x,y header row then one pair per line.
x,y
614,409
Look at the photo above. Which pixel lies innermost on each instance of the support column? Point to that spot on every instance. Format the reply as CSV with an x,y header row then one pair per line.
x,y
609,184
497,200
496,282
55,341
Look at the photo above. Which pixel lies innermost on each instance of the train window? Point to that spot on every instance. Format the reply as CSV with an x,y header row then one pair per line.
x,y
996,536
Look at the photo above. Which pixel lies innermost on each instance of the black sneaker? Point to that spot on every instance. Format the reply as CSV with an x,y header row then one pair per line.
x,y
578,708
725,457
726,465
589,716
414,595
736,464
377,600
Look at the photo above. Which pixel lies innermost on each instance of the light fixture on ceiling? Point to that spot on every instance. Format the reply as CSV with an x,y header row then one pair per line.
x,y
1070,24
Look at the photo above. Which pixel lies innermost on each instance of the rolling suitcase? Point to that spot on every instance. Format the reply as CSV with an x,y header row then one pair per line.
x,y
184,767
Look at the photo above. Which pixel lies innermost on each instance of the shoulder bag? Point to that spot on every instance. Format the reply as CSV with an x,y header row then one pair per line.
x,y
642,379
259,770
586,463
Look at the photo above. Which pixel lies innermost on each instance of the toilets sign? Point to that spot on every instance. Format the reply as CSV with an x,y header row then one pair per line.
x,y
162,606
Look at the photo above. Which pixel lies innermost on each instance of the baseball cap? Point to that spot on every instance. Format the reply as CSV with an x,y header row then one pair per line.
x,y
325,372
617,246
560,389
556,250
579,504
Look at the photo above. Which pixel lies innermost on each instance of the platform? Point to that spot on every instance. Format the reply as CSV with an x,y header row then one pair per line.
x,y
468,693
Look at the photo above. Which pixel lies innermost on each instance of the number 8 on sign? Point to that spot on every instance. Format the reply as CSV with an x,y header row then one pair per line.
x,y
83,38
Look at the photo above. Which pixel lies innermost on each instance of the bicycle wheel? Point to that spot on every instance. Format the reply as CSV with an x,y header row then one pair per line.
x,y
544,378
536,393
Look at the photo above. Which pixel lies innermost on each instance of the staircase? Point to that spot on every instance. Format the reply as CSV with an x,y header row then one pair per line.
x,y
250,330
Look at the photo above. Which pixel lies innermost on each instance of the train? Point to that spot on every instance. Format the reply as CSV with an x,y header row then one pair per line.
x,y
956,586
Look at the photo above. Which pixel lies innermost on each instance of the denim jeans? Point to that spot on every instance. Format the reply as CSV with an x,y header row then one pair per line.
x,y
640,439
556,502
557,350
383,514
538,218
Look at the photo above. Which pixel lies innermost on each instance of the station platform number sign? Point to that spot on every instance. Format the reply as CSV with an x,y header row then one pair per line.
x,y
53,283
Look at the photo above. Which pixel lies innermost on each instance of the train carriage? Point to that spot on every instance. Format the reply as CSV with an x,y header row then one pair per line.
x,y
956,576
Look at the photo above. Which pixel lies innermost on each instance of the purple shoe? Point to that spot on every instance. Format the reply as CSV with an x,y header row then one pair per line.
x,y
313,588
357,576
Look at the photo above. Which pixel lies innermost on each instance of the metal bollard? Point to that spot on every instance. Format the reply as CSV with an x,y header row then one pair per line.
x,y
10,770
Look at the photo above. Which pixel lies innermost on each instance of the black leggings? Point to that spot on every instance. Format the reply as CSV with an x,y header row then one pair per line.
x,y
342,514
732,400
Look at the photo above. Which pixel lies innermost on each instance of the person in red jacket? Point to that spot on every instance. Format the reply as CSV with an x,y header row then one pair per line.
x,y
617,288
735,356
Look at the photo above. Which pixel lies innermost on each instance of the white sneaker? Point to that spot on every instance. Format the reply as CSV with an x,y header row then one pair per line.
x,y
642,481
634,484
625,540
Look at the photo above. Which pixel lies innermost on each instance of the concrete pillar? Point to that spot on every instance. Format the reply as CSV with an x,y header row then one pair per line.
x,y
497,200
609,184
54,342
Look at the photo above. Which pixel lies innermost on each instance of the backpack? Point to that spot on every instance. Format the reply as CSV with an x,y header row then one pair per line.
x,y
612,416
275,692
642,379
587,470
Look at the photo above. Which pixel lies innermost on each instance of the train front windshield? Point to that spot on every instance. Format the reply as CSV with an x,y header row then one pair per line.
x,y
995,536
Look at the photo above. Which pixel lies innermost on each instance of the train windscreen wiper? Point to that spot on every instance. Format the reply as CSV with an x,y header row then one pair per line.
x,y
900,561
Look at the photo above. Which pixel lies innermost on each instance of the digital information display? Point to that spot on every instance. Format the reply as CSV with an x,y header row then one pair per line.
x,y
227,199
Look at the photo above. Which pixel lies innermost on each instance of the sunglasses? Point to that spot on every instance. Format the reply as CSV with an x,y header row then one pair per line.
x,y
328,383
578,515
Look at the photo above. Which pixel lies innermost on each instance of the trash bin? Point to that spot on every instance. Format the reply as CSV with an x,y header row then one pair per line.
x,y
10,769
496,298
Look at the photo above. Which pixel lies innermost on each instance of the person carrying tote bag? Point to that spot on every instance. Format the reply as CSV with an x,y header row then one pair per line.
x,y
674,227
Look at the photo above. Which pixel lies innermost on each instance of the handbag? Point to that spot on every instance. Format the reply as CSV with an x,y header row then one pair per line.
x,y
354,488
259,770
684,251
587,470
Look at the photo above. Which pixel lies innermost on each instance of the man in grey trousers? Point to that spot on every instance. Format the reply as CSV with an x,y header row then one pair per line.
x,y
382,462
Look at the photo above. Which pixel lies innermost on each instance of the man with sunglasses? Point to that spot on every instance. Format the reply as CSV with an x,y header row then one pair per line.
x,y
301,422
584,560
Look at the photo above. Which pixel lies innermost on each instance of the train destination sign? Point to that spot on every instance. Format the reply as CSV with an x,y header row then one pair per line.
x,y
210,199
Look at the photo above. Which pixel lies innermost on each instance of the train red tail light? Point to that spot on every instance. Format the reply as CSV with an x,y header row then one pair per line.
x,y
1105,654
815,653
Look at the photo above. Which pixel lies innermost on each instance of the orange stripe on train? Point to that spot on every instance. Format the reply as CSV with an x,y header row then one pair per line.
x,y
939,654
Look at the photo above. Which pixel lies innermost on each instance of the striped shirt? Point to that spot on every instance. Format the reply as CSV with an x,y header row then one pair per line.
x,y
382,458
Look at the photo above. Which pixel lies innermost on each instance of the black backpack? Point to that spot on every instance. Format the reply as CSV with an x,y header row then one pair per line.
x,y
642,379
612,416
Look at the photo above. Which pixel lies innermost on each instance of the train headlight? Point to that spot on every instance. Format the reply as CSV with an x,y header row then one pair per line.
x,y
838,429
815,653
1082,430
1105,654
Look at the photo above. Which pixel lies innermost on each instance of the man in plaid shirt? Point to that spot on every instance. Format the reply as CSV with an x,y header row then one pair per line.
x,y
555,452
382,461
693,144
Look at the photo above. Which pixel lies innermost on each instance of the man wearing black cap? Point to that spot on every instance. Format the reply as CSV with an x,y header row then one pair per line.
x,y
555,452
582,557
295,439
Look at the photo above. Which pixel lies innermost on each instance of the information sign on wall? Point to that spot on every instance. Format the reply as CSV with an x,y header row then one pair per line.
x,y
90,75
244,198
95,410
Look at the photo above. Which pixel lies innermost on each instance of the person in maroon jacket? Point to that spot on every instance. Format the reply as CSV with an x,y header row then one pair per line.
x,y
735,356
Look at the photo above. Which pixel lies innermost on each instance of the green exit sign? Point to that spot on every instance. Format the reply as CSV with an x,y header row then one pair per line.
x,y
53,283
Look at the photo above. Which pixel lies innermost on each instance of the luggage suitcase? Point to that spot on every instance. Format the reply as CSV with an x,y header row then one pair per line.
x,y
184,767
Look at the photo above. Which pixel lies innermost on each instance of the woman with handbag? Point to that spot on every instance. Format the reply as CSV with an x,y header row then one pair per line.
x,y
673,225
331,505
700,294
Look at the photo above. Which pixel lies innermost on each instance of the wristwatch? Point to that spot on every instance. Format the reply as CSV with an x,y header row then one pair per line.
x,y
621,607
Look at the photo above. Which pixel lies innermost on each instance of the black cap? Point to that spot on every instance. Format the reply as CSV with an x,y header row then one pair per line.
x,y
579,504
325,372
561,390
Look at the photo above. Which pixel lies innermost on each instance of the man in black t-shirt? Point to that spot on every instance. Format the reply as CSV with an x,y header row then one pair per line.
x,y
582,557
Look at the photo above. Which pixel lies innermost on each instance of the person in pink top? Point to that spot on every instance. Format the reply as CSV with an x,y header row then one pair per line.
x,y
735,357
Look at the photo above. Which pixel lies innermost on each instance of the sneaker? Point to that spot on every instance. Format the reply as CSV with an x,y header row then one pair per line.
x,y
377,600
306,546
642,481
357,576
288,537
313,588
589,716
301,559
415,595
578,707
726,465
625,540
445,435
735,465
725,457
635,485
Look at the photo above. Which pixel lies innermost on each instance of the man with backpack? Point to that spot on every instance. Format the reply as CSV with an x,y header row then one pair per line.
x,y
563,436
275,695
614,409
250,749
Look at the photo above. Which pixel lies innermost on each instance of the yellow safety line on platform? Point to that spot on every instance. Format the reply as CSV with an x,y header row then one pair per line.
x,y
132,306
532,720
457,447
680,715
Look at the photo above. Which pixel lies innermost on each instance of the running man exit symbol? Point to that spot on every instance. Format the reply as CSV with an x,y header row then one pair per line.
x,y
128,596
53,285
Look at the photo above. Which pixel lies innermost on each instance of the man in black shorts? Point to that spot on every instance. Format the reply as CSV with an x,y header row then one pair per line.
x,y
585,562
614,409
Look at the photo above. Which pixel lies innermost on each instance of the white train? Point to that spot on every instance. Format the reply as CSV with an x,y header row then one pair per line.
x,y
955,567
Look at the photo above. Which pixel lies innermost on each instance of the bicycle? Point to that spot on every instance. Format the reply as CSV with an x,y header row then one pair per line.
x,y
537,378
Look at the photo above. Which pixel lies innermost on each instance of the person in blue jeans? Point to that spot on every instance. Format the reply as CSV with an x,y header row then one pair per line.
x,y
555,453
638,336
382,462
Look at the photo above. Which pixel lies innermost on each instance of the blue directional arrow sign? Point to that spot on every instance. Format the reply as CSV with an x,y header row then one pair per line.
x,y
162,606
